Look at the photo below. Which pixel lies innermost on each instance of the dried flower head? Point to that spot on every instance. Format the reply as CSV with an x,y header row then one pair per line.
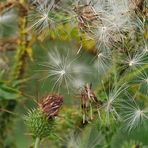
x,y
136,4
87,17
88,99
50,105
104,21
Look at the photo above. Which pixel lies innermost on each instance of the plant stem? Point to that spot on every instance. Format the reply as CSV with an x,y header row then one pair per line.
x,y
37,142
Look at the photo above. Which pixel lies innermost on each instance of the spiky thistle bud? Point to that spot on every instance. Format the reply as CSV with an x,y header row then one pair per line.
x,y
40,121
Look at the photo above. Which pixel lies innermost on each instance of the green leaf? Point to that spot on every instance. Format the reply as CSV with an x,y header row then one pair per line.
x,y
17,83
8,93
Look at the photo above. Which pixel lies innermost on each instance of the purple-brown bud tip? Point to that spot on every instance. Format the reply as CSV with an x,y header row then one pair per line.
x,y
51,104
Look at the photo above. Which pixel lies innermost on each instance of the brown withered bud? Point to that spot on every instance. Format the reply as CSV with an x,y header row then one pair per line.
x,y
87,95
51,104
88,98
87,16
136,4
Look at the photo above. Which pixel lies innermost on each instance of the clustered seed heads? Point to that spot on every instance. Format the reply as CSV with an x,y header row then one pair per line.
x,y
115,26
106,24
118,31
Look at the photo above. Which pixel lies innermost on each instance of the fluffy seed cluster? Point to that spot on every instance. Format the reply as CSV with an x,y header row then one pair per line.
x,y
114,26
64,71
105,21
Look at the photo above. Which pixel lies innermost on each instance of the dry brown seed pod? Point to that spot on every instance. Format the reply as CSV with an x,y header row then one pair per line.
x,y
87,16
136,4
88,98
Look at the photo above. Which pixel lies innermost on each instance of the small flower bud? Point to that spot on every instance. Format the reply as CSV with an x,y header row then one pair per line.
x,y
50,105
40,121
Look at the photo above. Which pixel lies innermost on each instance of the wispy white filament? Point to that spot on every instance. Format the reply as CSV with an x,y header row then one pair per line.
x,y
64,71
112,99
39,18
133,115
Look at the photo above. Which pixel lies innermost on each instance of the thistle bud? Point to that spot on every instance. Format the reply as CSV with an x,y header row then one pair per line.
x,y
50,105
40,121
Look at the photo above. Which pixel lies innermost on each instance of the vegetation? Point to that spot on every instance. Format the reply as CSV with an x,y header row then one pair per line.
x,y
73,74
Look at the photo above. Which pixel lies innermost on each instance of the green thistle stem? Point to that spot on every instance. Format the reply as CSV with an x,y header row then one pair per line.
x,y
37,142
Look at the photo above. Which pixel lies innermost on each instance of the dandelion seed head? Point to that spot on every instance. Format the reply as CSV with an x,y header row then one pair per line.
x,y
132,62
135,60
133,116
106,33
40,18
112,102
104,28
139,113
105,21
63,70
100,55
